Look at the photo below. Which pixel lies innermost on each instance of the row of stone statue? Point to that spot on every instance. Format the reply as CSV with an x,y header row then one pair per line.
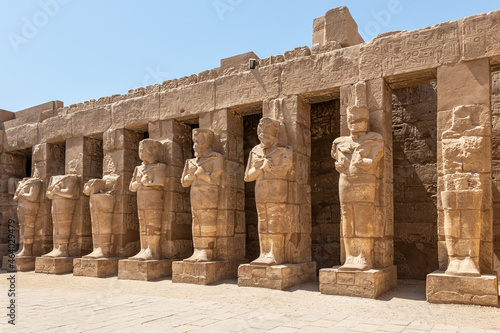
x,y
358,158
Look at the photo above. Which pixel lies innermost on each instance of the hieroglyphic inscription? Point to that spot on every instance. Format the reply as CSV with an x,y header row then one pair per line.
x,y
411,51
481,36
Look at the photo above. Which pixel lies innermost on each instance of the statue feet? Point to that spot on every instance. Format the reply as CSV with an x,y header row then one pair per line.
x,y
463,267
265,259
57,253
145,254
202,255
25,251
97,253
354,264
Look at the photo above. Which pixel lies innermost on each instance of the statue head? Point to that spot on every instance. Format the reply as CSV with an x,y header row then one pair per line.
x,y
73,167
202,141
149,150
267,131
357,119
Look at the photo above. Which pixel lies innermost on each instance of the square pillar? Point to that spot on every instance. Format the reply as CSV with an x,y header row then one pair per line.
x,y
376,97
53,164
88,154
229,245
465,187
176,242
293,113
120,148
12,166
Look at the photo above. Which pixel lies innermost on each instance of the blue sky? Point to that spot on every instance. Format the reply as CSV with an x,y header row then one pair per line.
x,y
77,50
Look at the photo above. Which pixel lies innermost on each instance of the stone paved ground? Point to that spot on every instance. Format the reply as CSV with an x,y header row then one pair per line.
x,y
48,303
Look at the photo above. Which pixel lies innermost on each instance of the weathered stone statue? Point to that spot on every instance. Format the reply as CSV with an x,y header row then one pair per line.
x,y
356,159
102,206
269,165
149,181
64,191
203,174
27,197
463,146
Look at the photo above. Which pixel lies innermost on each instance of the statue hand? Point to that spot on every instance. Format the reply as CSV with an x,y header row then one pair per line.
x,y
199,171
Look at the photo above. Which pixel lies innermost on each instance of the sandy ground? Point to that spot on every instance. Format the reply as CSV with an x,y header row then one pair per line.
x,y
406,303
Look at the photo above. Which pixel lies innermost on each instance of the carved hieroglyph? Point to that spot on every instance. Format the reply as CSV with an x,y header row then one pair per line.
x,y
102,206
64,191
203,173
149,182
356,159
463,146
27,197
269,165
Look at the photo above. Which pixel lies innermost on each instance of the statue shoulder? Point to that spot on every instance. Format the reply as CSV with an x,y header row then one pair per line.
x,y
374,136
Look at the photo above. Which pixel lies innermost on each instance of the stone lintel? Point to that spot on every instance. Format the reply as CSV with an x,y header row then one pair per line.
x,y
95,267
279,277
50,265
444,288
204,273
144,270
369,284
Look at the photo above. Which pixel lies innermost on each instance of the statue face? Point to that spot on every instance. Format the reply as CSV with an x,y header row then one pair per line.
x,y
267,135
357,120
146,152
201,144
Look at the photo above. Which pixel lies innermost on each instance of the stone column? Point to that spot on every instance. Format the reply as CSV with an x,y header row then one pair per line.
x,y
465,199
115,221
285,221
175,234
367,217
84,162
228,249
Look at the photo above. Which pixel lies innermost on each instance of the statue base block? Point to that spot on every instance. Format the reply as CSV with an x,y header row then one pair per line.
x,y
370,284
101,267
204,272
144,270
20,264
50,265
444,288
279,277
7,265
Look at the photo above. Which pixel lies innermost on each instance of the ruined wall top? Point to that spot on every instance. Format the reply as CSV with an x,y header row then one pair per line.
x,y
338,57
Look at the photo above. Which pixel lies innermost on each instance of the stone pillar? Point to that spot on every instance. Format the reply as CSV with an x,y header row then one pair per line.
x,y
84,161
120,148
228,250
177,147
175,235
286,224
369,270
13,168
52,164
48,160
465,199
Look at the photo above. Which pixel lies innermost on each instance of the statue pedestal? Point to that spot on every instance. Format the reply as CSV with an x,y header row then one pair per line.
x,y
370,284
20,264
279,277
144,270
49,265
101,267
444,288
7,265
204,272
